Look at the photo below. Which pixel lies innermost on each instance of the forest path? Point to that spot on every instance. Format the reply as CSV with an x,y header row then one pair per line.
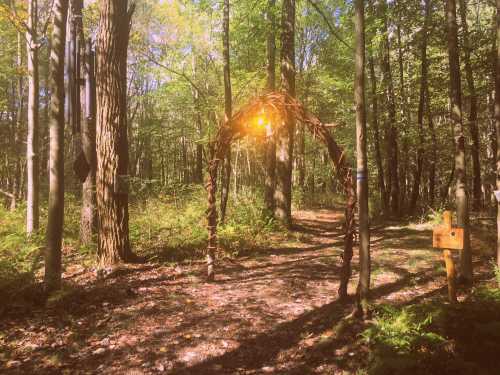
x,y
272,311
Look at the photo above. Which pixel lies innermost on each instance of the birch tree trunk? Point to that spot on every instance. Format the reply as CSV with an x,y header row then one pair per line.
x,y
56,159
32,154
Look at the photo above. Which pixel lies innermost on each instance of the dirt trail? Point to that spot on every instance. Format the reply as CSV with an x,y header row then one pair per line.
x,y
269,312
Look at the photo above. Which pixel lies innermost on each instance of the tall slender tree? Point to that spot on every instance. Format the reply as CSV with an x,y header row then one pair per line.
x,y
415,193
228,102
88,218
472,119
112,140
56,158
497,123
382,186
376,137
270,157
391,127
82,117
16,190
405,116
456,118
361,157
285,135
433,152
32,150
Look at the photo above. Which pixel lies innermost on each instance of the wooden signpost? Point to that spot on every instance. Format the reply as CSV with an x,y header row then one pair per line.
x,y
448,238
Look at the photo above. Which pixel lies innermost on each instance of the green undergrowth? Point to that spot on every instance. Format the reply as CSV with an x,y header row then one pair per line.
x,y
437,338
19,255
170,226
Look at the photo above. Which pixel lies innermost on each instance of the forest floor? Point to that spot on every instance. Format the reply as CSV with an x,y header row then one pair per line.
x,y
273,310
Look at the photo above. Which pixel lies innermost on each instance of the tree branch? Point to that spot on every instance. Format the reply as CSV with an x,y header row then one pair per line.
x,y
328,23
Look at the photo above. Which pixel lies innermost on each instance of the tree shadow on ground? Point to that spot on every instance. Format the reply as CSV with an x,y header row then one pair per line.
x,y
239,323
263,350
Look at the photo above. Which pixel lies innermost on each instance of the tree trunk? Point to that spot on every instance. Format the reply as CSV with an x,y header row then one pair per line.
x,y
420,114
456,118
384,199
270,146
111,140
32,155
472,120
199,148
198,171
392,134
72,93
56,160
88,215
362,163
17,188
226,172
497,125
285,135
433,158
82,100
405,121
185,170
301,157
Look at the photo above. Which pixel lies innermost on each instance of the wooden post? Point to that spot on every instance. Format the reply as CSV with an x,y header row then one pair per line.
x,y
447,219
450,265
450,275
448,238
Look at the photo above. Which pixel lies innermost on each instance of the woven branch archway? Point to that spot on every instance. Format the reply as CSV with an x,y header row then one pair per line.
x,y
278,106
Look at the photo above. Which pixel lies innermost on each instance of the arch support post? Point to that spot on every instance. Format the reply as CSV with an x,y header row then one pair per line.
x,y
212,215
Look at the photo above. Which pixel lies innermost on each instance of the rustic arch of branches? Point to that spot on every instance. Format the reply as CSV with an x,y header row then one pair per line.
x,y
277,106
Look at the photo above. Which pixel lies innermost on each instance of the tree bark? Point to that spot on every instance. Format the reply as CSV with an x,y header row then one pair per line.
x,y
88,221
421,107
456,118
497,123
405,121
56,160
226,172
270,146
384,199
111,141
391,130
32,151
472,120
433,158
199,148
362,163
17,188
285,134
198,174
